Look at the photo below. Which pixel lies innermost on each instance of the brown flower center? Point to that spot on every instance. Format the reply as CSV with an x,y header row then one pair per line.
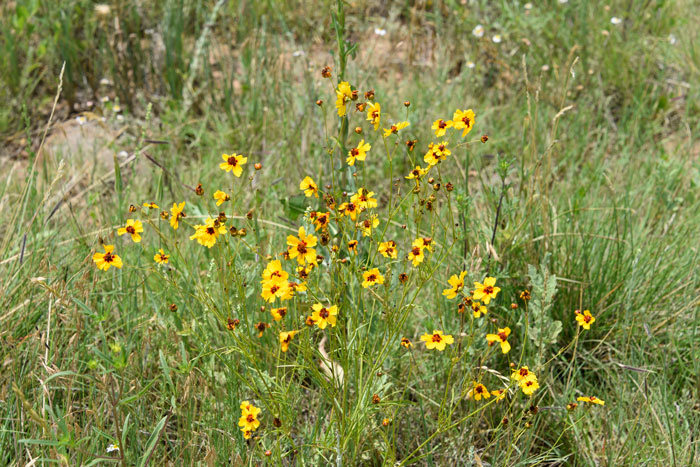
x,y
442,124
415,251
354,152
130,229
210,230
437,338
323,313
467,121
371,278
232,161
488,290
108,257
502,336
250,418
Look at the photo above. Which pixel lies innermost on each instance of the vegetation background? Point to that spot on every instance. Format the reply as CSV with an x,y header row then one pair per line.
x,y
599,118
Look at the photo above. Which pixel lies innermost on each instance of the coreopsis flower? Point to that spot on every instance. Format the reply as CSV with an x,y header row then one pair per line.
x,y
301,248
363,199
585,319
323,316
486,291
150,205
107,259
529,387
411,144
479,391
441,151
304,271
278,313
249,418
274,272
437,340
374,114
208,233
499,394
440,127
417,173
525,295
161,257
349,209
388,249
321,220
591,400
478,309
343,96
309,187
501,337
352,246
286,338
176,213
406,343
231,324
367,225
133,228
358,153
415,255
571,406
371,278
272,290
431,157
221,197
523,374
427,243
457,283
394,129
260,327
233,163
463,120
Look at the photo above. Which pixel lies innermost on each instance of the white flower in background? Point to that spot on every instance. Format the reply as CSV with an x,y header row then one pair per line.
x,y
672,39
563,1
105,82
80,119
104,99
497,39
615,20
380,32
478,31
470,64
298,53
528,6
545,68
116,108
112,447
120,118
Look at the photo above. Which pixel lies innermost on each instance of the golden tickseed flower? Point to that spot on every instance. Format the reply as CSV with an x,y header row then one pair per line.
x,y
367,225
272,290
416,254
374,113
371,278
164,215
437,340
150,205
484,138
523,374
323,316
376,399
479,391
107,259
233,163
207,233
278,313
133,228
486,291
394,129
352,246
388,249
349,209
221,197
499,394
406,343
571,406
441,151
309,187
591,400
358,153
231,324
369,95
363,199
260,327
161,257
173,307
302,248
132,208
343,96
199,191
585,319
326,71
249,419
310,321
386,422
525,295
457,283
501,337
274,272
410,144
403,277
529,387
417,173
463,120
176,213
440,127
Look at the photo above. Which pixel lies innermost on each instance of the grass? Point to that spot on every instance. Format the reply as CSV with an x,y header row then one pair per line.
x,y
591,169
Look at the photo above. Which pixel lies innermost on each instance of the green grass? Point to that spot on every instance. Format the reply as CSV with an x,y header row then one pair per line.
x,y
594,133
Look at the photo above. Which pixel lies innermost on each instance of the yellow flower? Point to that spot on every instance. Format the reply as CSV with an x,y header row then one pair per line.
x,y
499,394
501,337
233,162
367,225
457,284
349,209
394,129
431,157
176,212
363,199
286,338
523,374
249,418
388,249
150,205
585,319
440,127
343,95
416,173
529,386
479,391
591,400
302,247
486,291
463,120
437,340
107,259
278,313
309,187
323,316
406,343
372,277
352,246
221,197
133,228
208,233
358,153
441,151
321,220
374,114
161,257
478,309
416,254
275,289
273,272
